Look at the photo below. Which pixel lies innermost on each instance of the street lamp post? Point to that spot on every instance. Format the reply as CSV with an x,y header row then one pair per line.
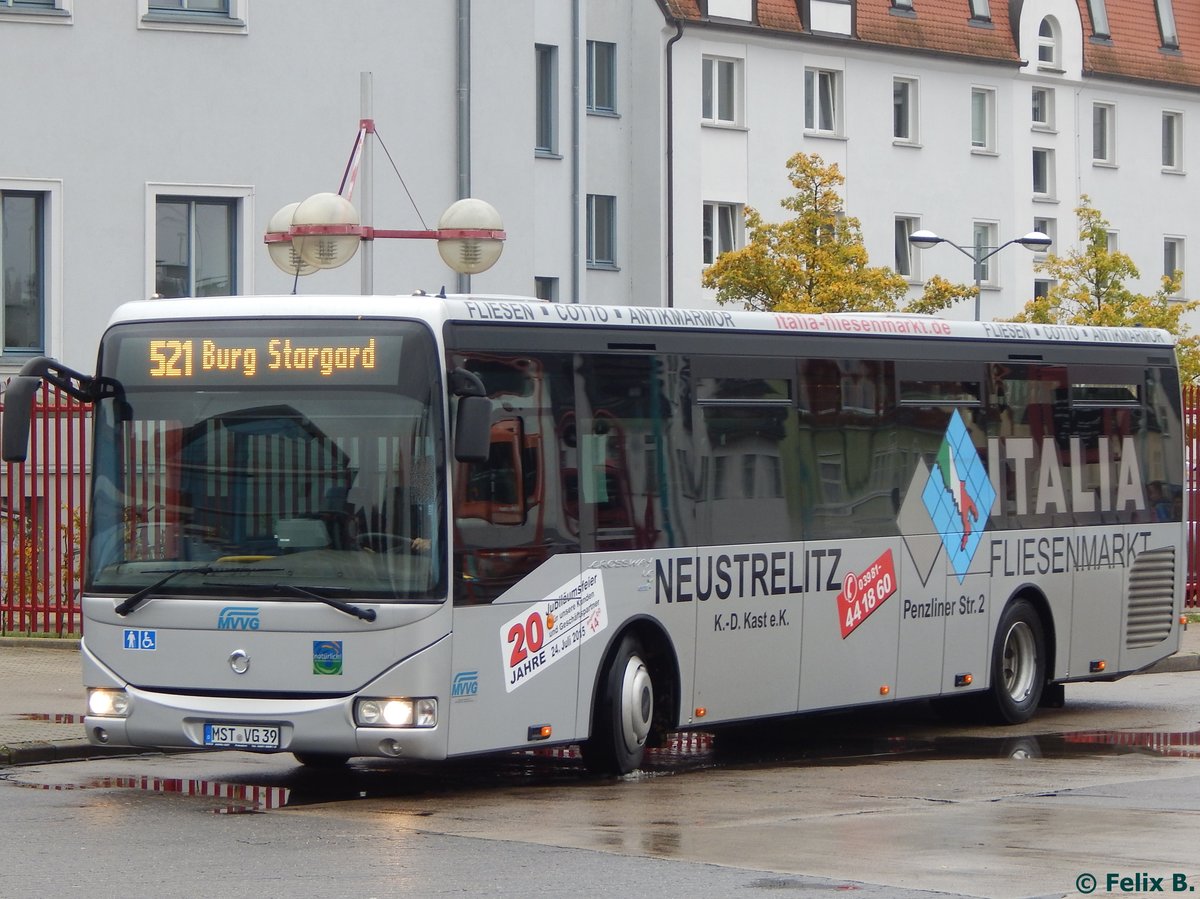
x,y
1033,241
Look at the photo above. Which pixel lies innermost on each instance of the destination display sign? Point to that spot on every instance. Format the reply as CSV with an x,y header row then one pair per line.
x,y
203,354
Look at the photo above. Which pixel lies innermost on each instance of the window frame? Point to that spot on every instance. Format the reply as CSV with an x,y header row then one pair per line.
x,y
980,11
982,269
594,259
1099,16
609,82
1048,186
1048,226
712,67
52,12
815,78
1173,249
1175,164
233,21
1104,133
51,239
1047,122
715,217
1164,14
902,229
1049,46
545,99
987,145
908,115
242,256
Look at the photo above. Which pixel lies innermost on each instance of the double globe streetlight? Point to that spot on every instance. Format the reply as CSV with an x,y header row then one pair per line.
x,y
324,232
1033,241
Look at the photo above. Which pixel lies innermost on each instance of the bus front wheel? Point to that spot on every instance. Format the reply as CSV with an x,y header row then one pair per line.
x,y
622,714
1018,665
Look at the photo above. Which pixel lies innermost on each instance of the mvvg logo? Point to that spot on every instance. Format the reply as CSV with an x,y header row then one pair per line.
x,y
466,683
238,618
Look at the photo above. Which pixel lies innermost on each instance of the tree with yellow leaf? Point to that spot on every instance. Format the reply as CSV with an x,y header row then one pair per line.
x,y
816,261
1089,289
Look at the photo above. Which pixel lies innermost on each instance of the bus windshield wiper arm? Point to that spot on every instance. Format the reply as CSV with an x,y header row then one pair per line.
x,y
137,598
348,608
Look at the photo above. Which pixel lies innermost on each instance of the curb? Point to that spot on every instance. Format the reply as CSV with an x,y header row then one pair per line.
x,y
41,642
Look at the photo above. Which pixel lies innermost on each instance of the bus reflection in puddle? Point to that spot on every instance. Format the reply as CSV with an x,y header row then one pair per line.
x,y
684,752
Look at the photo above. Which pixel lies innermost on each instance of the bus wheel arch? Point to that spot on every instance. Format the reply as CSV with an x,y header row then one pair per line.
x,y
634,700
1020,660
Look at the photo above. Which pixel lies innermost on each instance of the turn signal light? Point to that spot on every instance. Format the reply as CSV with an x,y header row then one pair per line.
x,y
540,731
1097,666
701,711
885,690
964,680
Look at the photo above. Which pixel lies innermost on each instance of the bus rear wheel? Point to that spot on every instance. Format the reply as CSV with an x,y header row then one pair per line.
x,y
1018,665
623,713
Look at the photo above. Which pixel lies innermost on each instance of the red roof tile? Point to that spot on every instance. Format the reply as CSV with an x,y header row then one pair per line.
x,y
1134,50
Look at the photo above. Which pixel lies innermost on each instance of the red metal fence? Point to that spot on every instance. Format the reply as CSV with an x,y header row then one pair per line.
x,y
45,514
44,520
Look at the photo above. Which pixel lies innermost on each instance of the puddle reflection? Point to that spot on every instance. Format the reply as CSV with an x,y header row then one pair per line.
x,y
684,752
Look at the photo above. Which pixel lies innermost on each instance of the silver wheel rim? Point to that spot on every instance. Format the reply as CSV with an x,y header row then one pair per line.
x,y
1019,661
637,704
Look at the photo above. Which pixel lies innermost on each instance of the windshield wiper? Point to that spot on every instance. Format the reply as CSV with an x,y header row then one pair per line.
x,y
302,593
140,596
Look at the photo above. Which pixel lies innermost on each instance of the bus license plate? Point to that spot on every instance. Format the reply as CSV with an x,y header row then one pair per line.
x,y
241,736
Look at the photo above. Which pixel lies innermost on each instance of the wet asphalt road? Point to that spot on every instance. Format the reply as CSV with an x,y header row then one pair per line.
x,y
898,804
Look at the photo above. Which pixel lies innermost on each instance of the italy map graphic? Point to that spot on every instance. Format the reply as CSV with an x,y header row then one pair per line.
x,y
958,496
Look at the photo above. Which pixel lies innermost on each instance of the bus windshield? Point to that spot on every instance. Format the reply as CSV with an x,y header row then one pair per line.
x,y
256,457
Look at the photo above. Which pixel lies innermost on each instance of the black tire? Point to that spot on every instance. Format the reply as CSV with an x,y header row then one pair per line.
x,y
323,760
1018,665
622,714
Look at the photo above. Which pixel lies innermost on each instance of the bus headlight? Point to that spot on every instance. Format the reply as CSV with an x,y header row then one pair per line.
x,y
108,703
396,712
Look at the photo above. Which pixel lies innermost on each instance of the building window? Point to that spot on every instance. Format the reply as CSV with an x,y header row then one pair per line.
x,y
23,267
1048,43
904,110
1099,18
196,246
983,119
720,90
193,15
1111,241
1172,141
1043,172
1166,24
980,10
545,288
1049,227
56,12
1042,288
602,77
907,260
722,225
601,231
984,243
1173,257
823,100
1043,107
546,87
1104,123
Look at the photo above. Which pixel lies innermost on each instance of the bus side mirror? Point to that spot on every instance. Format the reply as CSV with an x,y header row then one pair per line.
x,y
18,409
472,429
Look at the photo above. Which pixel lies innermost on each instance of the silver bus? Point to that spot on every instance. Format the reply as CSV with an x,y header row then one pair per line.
x,y
418,527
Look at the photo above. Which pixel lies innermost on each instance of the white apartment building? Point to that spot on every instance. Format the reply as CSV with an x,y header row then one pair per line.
x,y
147,143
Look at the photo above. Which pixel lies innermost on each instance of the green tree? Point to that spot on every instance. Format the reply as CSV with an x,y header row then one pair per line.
x,y
1090,289
815,261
